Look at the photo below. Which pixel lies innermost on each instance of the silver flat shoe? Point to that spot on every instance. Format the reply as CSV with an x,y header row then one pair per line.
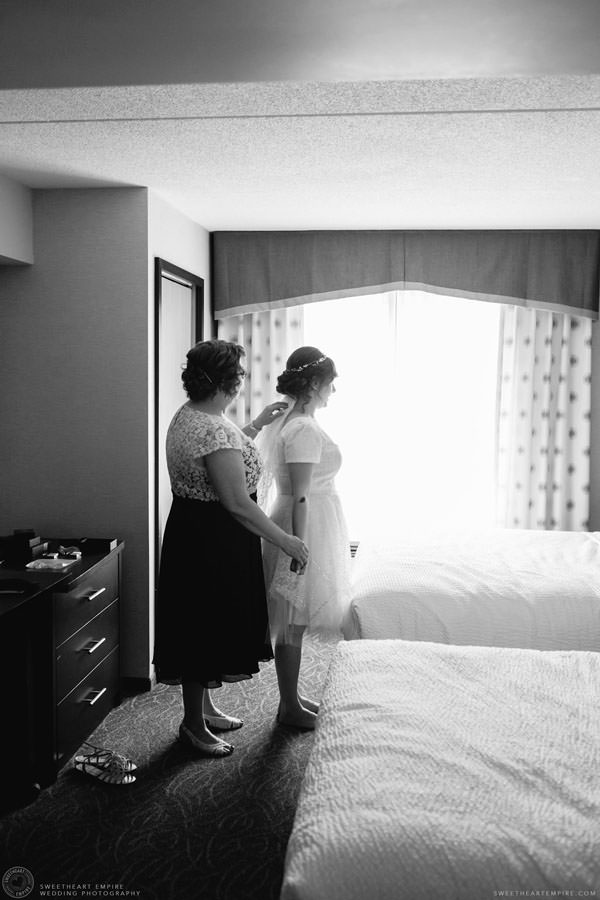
x,y
188,737
223,723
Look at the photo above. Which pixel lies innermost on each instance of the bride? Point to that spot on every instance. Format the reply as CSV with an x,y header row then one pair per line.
x,y
301,462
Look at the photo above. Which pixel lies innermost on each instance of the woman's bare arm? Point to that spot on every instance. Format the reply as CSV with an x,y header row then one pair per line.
x,y
225,469
301,478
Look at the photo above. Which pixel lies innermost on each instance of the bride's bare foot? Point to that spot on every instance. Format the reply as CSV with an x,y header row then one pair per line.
x,y
199,731
298,717
309,704
215,718
208,707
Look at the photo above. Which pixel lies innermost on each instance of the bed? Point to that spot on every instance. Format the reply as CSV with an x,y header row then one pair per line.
x,y
450,772
503,587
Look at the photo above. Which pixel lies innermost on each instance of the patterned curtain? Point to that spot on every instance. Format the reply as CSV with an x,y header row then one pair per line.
x,y
268,338
544,401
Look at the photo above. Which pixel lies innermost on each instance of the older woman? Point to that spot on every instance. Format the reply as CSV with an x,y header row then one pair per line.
x,y
211,614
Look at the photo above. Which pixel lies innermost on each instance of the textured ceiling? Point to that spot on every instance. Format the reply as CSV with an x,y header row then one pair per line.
x,y
459,153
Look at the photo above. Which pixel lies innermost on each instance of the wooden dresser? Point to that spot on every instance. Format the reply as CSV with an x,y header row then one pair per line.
x,y
59,662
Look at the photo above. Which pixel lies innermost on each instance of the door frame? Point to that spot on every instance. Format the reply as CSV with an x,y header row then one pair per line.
x,y
164,269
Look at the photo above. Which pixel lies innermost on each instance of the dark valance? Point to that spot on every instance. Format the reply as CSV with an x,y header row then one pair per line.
x,y
259,270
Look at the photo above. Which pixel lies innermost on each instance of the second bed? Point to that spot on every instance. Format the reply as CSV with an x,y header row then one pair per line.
x,y
497,588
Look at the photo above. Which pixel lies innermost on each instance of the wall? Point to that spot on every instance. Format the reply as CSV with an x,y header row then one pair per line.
x,y
66,43
595,423
176,239
16,222
74,376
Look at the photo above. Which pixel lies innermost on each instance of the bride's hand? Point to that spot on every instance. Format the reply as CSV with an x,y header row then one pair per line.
x,y
269,414
297,549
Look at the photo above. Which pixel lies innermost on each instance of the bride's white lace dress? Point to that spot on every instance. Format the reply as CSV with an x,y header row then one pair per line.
x,y
319,598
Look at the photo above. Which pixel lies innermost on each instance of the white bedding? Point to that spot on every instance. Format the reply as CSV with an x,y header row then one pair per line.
x,y
448,773
504,588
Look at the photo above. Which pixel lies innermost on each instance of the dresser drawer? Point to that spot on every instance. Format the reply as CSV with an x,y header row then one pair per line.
x,y
77,656
86,706
90,594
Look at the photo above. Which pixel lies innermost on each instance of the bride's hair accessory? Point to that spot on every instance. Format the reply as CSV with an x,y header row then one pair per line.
x,y
314,362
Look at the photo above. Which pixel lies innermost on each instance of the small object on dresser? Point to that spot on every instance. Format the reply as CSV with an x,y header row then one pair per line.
x,y
50,565
39,549
69,552
26,537
21,546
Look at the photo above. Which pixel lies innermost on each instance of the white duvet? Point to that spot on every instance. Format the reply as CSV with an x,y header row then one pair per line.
x,y
504,588
450,773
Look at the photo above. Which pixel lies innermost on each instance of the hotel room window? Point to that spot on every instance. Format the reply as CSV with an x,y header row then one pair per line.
x,y
415,408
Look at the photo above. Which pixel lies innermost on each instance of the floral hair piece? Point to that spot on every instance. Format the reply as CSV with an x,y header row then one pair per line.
x,y
315,362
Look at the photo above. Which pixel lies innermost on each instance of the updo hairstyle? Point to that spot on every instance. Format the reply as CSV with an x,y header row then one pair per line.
x,y
212,366
298,384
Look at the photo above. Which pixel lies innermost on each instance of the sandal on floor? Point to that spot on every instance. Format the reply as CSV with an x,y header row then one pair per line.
x,y
101,757
111,773
188,737
223,723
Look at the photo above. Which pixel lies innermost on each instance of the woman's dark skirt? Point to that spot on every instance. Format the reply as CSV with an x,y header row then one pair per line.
x,y
211,609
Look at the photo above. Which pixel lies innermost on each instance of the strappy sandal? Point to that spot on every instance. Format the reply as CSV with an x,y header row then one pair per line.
x,y
188,737
113,772
101,757
223,723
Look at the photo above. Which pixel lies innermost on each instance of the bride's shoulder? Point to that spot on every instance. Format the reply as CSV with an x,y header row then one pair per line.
x,y
300,423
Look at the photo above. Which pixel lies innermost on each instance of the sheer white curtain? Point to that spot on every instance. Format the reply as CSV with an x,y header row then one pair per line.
x,y
414,411
448,412
268,338
544,419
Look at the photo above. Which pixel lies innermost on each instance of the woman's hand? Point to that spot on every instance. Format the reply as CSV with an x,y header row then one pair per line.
x,y
269,414
296,548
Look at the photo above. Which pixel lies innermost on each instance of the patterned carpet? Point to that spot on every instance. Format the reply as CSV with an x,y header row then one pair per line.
x,y
189,828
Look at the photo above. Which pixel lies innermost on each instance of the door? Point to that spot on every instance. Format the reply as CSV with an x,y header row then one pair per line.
x,y
179,310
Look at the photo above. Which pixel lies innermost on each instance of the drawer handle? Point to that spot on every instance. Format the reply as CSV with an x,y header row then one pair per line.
x,y
91,646
93,696
93,594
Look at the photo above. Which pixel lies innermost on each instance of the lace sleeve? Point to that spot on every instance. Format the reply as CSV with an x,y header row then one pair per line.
x,y
213,435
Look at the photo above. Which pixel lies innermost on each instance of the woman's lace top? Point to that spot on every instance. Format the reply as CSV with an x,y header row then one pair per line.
x,y
192,435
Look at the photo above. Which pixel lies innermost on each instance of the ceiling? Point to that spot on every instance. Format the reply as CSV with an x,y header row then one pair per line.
x,y
313,121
